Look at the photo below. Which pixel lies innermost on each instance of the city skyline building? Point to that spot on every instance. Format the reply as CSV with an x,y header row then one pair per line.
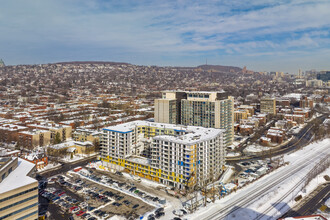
x,y
200,108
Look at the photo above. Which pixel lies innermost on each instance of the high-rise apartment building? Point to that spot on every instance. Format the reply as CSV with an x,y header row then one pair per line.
x,y
268,105
168,108
181,156
18,190
206,109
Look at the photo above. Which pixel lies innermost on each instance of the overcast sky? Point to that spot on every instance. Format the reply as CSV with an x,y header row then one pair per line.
x,y
264,35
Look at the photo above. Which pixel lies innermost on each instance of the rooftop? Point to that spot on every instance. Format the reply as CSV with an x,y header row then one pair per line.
x,y
18,177
192,134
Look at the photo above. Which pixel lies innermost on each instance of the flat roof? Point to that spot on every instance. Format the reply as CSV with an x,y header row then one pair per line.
x,y
192,134
18,177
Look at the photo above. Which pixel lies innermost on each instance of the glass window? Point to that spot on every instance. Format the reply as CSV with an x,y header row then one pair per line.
x,y
19,202
18,211
18,194
28,215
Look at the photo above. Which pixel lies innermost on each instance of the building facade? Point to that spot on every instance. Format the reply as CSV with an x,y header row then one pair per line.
x,y
34,138
18,190
181,156
268,105
241,114
64,131
206,109
168,108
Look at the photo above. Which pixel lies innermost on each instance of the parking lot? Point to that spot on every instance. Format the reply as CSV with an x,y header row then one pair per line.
x,y
92,195
251,170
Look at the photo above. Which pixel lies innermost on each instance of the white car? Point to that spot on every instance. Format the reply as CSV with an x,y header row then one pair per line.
x,y
83,205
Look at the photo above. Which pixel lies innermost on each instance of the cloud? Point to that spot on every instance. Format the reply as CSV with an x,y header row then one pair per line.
x,y
72,29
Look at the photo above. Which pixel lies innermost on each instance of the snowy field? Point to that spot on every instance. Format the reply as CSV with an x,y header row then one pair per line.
x,y
272,195
255,148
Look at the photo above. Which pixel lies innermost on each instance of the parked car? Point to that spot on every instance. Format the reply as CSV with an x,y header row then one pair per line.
x,y
151,217
74,209
80,213
135,206
159,210
160,214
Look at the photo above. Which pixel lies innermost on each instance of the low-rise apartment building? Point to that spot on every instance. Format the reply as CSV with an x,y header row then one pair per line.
x,y
34,138
64,131
9,132
86,135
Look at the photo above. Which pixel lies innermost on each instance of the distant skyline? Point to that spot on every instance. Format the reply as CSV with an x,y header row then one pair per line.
x,y
264,35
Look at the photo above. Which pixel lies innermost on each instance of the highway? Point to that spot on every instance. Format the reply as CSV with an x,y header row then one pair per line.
x,y
251,193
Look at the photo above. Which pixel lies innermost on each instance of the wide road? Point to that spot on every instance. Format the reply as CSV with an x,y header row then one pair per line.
x,y
312,204
252,193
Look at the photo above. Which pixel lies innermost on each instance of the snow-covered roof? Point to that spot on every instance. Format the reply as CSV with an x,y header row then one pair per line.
x,y
191,134
18,177
70,144
71,149
11,127
293,95
33,132
265,138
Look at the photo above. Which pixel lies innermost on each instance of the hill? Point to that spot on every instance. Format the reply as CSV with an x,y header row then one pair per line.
x,y
219,68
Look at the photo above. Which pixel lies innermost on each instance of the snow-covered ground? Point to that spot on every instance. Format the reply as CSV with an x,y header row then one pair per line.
x,y
49,167
233,154
296,129
255,148
271,195
76,157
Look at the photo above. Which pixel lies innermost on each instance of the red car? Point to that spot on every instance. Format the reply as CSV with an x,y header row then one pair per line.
x,y
74,209
62,193
81,212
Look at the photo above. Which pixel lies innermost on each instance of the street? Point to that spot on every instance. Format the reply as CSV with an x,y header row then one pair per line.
x,y
312,204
